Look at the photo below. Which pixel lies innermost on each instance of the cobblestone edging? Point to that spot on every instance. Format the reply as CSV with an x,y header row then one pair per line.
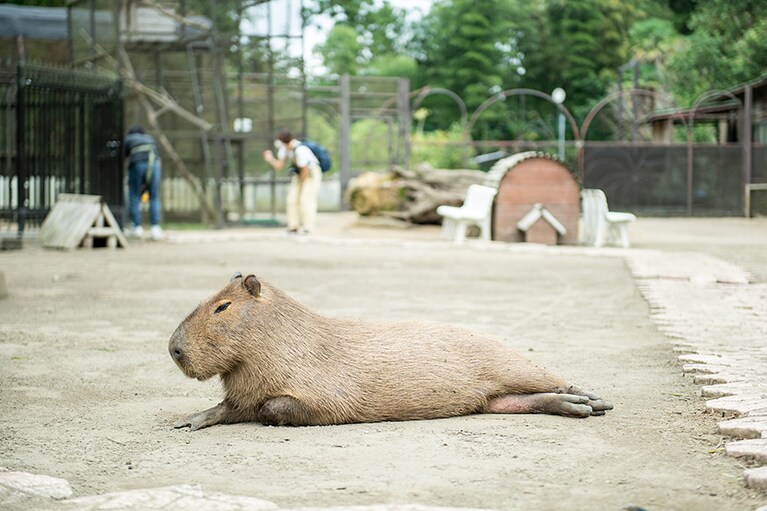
x,y
716,319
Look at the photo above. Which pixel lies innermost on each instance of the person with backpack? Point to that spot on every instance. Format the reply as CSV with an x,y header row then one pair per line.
x,y
305,178
144,169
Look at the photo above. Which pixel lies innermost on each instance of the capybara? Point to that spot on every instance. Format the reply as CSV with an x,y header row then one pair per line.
x,y
283,364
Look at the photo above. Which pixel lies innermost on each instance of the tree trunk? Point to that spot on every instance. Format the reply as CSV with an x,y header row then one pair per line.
x,y
412,196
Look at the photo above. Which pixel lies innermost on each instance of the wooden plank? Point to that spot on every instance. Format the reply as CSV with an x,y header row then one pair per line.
x,y
101,232
70,221
111,221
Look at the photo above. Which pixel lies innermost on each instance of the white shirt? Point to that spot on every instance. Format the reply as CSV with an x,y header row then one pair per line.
x,y
301,155
304,157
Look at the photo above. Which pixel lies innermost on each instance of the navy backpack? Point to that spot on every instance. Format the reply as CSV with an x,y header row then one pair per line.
x,y
322,154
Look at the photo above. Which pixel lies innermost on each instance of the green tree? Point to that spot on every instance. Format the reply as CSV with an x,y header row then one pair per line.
x,y
579,45
393,65
468,47
381,28
226,17
726,47
341,51
592,38
652,42
680,13
751,51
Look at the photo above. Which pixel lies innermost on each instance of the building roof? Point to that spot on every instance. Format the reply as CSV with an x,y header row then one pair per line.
x,y
717,106
33,22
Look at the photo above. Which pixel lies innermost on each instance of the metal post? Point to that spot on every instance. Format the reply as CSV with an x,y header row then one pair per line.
x,y
70,45
344,136
92,28
304,92
241,115
558,96
690,163
21,150
561,132
403,121
635,102
619,134
270,106
747,138
219,177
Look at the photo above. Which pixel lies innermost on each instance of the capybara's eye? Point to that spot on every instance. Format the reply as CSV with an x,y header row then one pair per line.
x,y
222,307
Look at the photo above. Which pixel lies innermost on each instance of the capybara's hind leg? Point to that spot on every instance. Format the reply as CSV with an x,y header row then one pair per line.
x,y
569,405
285,411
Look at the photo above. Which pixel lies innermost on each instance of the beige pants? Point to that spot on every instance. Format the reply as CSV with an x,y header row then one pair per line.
x,y
302,200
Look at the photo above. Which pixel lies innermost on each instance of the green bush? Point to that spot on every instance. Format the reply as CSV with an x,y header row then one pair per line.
x,y
442,149
370,145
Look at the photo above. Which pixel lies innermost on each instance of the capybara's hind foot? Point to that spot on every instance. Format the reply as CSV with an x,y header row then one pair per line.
x,y
597,404
569,405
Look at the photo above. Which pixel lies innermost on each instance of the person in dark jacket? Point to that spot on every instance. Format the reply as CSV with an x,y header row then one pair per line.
x,y
144,169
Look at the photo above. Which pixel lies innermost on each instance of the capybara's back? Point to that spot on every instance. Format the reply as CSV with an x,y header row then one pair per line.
x,y
282,363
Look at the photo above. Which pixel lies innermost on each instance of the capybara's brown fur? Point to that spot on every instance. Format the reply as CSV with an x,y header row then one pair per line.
x,y
282,363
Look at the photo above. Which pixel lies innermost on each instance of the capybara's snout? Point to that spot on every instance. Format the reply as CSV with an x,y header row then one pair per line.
x,y
177,348
181,349
176,353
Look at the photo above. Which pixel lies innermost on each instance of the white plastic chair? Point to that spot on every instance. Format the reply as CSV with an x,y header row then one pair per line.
x,y
476,210
600,225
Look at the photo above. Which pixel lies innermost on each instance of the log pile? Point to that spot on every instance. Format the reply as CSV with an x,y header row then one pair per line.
x,y
410,195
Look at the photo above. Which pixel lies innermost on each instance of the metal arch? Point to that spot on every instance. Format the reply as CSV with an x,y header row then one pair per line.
x,y
520,92
612,97
598,108
325,108
378,116
428,91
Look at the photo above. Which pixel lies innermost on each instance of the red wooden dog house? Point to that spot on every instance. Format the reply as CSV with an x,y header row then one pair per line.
x,y
533,182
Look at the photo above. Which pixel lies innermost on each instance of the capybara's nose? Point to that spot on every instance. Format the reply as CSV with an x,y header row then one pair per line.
x,y
176,353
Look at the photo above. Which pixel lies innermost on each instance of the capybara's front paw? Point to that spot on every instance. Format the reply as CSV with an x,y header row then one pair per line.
x,y
203,419
194,422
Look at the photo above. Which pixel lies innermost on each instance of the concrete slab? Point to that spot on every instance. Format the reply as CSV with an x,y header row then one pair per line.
x,y
186,497
699,358
38,485
728,389
714,379
741,404
745,427
702,368
755,449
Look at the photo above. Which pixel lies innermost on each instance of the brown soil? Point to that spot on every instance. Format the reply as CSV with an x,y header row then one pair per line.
x,y
90,394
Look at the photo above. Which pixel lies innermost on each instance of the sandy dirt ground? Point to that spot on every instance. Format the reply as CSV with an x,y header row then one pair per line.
x,y
89,393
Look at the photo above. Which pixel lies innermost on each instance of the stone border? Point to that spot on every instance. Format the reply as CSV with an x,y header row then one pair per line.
x,y
715,318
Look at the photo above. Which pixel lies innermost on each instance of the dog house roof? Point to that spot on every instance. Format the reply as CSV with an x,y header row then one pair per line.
x,y
501,167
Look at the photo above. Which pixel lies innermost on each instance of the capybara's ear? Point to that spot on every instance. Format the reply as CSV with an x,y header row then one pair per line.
x,y
237,275
252,284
